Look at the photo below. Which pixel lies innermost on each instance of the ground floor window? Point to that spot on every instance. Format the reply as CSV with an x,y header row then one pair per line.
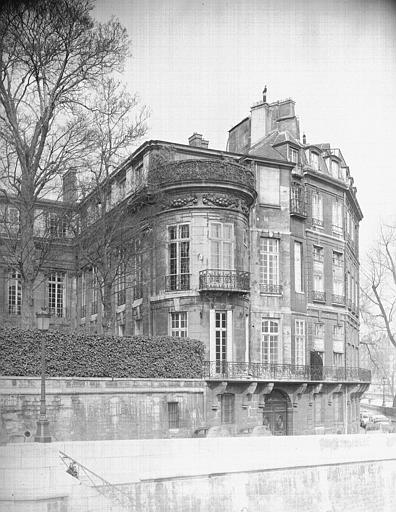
x,y
173,415
221,338
56,289
227,408
14,293
179,324
299,338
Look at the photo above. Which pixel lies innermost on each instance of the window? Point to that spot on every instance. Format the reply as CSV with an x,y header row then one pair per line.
x,y
94,292
338,275
318,257
56,225
137,270
317,209
319,408
299,337
293,155
121,188
120,283
269,265
338,359
268,185
173,415
83,292
270,341
337,218
56,289
220,338
221,246
9,219
315,161
179,257
227,408
14,292
138,175
298,273
335,169
338,407
338,332
297,199
179,324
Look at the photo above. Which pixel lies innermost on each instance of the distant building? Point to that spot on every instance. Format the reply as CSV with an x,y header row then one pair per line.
x,y
254,251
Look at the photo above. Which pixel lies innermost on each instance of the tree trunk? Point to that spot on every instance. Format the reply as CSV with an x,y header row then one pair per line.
x,y
108,314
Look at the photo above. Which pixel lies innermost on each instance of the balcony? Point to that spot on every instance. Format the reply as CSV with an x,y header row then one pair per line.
x,y
224,280
271,289
317,222
338,300
298,207
218,370
318,296
177,282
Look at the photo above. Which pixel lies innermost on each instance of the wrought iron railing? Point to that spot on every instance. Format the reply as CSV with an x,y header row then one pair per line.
x,y
230,280
318,296
271,289
338,299
177,282
317,222
283,372
298,207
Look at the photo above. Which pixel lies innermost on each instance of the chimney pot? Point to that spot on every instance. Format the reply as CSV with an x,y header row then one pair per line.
x,y
69,186
197,141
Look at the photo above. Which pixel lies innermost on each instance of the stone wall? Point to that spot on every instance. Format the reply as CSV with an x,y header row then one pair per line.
x,y
92,409
354,473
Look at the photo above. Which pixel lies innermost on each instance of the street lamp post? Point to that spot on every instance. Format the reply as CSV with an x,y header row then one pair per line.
x,y
383,392
43,434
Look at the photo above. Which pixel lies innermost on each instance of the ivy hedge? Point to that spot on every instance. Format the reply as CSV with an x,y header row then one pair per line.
x,y
76,354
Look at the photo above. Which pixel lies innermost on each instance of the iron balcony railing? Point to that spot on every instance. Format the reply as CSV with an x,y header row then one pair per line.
x,y
338,299
271,289
318,296
229,280
298,207
283,372
177,282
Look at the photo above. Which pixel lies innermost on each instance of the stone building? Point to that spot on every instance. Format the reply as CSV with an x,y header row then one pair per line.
x,y
254,251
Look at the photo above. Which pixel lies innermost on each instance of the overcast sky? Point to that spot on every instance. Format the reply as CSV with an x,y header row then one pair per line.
x,y
200,65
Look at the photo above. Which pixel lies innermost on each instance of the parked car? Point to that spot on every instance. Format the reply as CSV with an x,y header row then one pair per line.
x,y
365,417
379,423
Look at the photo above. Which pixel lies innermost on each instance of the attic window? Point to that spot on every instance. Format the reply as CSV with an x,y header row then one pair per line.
x,y
335,169
293,155
314,157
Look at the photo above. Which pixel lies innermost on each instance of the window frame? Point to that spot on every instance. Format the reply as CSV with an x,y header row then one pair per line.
x,y
298,264
14,292
270,347
178,324
299,342
222,242
56,293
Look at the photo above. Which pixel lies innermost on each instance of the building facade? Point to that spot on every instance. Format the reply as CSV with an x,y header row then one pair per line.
x,y
253,250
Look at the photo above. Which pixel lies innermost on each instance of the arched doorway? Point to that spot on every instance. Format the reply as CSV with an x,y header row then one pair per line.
x,y
277,413
316,366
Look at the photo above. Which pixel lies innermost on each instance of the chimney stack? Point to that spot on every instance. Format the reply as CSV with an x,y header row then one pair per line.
x,y
304,139
69,186
197,141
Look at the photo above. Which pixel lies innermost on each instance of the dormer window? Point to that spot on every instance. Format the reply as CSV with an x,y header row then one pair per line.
x,y
314,157
335,169
293,155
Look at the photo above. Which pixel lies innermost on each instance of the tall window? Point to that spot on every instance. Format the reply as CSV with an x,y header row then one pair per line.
x,y
298,273
137,269
318,284
56,225
120,283
227,408
179,257
299,338
173,415
56,289
337,218
319,337
83,292
293,155
14,292
270,341
269,265
335,169
315,161
221,338
338,274
221,246
94,292
179,324
317,209
9,219
338,408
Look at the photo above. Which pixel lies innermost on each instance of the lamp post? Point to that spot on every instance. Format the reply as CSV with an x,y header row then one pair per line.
x,y
43,434
383,391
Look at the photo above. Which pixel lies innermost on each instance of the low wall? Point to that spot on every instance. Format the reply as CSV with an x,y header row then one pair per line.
x,y
93,409
354,473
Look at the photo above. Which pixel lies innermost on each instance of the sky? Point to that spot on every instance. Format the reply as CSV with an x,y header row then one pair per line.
x,y
200,65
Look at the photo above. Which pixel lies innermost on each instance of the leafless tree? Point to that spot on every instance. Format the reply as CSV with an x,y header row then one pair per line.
x,y
379,288
51,53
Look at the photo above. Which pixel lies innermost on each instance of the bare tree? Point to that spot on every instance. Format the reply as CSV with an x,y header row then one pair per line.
x,y
51,53
379,289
